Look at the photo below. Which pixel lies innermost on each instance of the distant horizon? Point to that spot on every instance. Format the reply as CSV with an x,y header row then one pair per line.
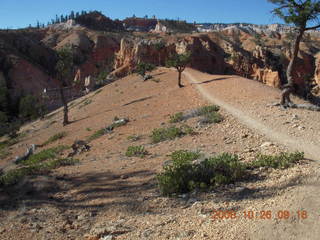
x,y
16,14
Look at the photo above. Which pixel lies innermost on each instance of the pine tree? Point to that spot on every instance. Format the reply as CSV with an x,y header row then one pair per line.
x,y
64,71
72,15
300,14
179,61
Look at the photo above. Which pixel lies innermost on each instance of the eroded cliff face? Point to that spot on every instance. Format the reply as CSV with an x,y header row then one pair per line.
x,y
205,54
28,59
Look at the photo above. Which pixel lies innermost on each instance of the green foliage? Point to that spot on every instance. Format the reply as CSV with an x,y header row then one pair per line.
x,y
213,117
54,138
64,63
183,175
208,109
142,68
50,153
283,160
15,175
170,133
209,114
134,138
178,117
258,40
97,134
28,107
297,12
136,151
117,123
181,156
179,61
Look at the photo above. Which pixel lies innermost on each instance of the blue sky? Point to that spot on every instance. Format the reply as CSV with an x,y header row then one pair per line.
x,y
21,13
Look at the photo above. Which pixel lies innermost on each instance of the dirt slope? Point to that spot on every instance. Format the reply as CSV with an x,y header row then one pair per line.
x,y
116,197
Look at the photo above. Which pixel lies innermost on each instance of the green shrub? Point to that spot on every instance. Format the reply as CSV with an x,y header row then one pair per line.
x,y
213,117
170,133
178,117
136,151
283,160
117,123
28,107
184,176
208,109
184,155
134,138
44,155
96,134
54,138
15,175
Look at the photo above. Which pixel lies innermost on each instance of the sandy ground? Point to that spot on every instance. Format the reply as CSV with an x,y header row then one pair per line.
x,y
112,196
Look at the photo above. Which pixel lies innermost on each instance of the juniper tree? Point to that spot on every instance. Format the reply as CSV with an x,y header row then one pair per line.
x,y
159,46
142,68
300,13
64,70
179,61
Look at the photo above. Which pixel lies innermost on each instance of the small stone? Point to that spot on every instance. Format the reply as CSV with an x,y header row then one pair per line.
x,y
266,144
109,237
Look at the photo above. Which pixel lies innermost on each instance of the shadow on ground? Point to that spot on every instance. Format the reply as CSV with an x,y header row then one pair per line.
x,y
94,191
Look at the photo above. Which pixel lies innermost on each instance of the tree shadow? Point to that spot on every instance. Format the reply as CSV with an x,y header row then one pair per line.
x,y
213,80
95,191
158,74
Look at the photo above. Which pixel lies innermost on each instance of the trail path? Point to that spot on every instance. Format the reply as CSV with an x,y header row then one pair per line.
x,y
246,105
295,128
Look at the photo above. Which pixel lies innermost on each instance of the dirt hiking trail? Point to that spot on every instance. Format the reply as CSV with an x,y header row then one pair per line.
x,y
246,99
249,102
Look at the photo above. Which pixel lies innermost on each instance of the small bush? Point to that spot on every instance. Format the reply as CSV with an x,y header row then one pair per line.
x,y
184,176
136,151
208,109
44,155
184,155
283,160
134,138
54,138
178,117
212,117
117,123
97,134
170,133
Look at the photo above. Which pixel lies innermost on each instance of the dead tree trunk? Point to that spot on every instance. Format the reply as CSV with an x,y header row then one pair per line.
x,y
288,88
65,107
180,70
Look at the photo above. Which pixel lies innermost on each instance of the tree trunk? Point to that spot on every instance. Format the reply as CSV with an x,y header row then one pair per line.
x,y
288,88
179,79
65,107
